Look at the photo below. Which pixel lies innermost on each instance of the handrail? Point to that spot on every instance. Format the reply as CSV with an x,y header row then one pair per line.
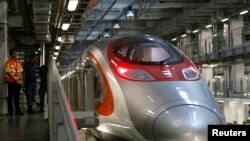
x,y
218,42
218,34
61,119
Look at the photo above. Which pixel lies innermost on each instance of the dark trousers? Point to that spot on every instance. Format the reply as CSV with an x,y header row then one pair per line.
x,y
30,87
42,92
14,91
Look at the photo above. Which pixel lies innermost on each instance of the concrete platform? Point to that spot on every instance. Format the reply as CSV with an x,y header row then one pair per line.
x,y
24,128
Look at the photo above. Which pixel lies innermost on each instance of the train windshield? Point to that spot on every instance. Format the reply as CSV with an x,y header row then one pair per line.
x,y
146,50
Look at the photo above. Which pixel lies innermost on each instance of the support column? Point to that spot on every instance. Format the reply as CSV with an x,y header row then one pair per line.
x,y
4,55
236,26
237,76
42,55
207,74
226,110
185,45
205,38
240,113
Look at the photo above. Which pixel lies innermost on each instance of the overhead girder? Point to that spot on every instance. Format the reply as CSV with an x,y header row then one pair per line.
x,y
192,15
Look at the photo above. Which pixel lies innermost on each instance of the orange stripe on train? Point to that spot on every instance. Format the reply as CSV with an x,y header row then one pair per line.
x,y
106,107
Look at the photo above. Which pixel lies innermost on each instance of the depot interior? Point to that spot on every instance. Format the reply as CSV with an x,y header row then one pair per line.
x,y
214,34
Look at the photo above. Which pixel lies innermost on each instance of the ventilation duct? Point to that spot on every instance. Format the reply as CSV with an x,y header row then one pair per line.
x,y
42,14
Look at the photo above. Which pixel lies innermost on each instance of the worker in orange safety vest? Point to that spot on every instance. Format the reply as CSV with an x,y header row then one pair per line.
x,y
13,78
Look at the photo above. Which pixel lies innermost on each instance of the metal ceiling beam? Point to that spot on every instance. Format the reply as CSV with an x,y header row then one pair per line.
x,y
26,16
98,20
183,1
189,15
42,14
169,5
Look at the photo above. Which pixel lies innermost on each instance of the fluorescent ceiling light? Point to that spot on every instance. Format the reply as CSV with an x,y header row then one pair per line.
x,y
174,39
209,25
130,13
65,26
195,31
151,39
72,5
215,35
57,47
59,39
54,58
56,53
218,76
225,19
243,12
204,65
184,35
106,34
246,102
213,65
116,26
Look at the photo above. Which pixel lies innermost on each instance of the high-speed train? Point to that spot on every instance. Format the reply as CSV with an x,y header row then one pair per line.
x,y
148,90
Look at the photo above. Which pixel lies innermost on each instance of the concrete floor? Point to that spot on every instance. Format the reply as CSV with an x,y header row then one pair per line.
x,y
24,128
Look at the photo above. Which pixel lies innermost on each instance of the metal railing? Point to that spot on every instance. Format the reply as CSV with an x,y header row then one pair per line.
x,y
221,44
73,82
221,90
61,120
79,86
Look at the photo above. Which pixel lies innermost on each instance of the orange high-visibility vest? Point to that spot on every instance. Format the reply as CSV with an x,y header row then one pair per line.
x,y
14,67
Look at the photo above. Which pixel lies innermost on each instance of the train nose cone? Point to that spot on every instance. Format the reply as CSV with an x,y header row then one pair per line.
x,y
184,123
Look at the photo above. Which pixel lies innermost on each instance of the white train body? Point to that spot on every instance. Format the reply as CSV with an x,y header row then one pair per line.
x,y
148,90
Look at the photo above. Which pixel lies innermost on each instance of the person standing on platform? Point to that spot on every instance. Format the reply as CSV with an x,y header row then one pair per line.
x,y
13,78
30,81
43,84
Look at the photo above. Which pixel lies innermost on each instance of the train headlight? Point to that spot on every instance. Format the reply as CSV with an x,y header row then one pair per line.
x,y
134,74
190,73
